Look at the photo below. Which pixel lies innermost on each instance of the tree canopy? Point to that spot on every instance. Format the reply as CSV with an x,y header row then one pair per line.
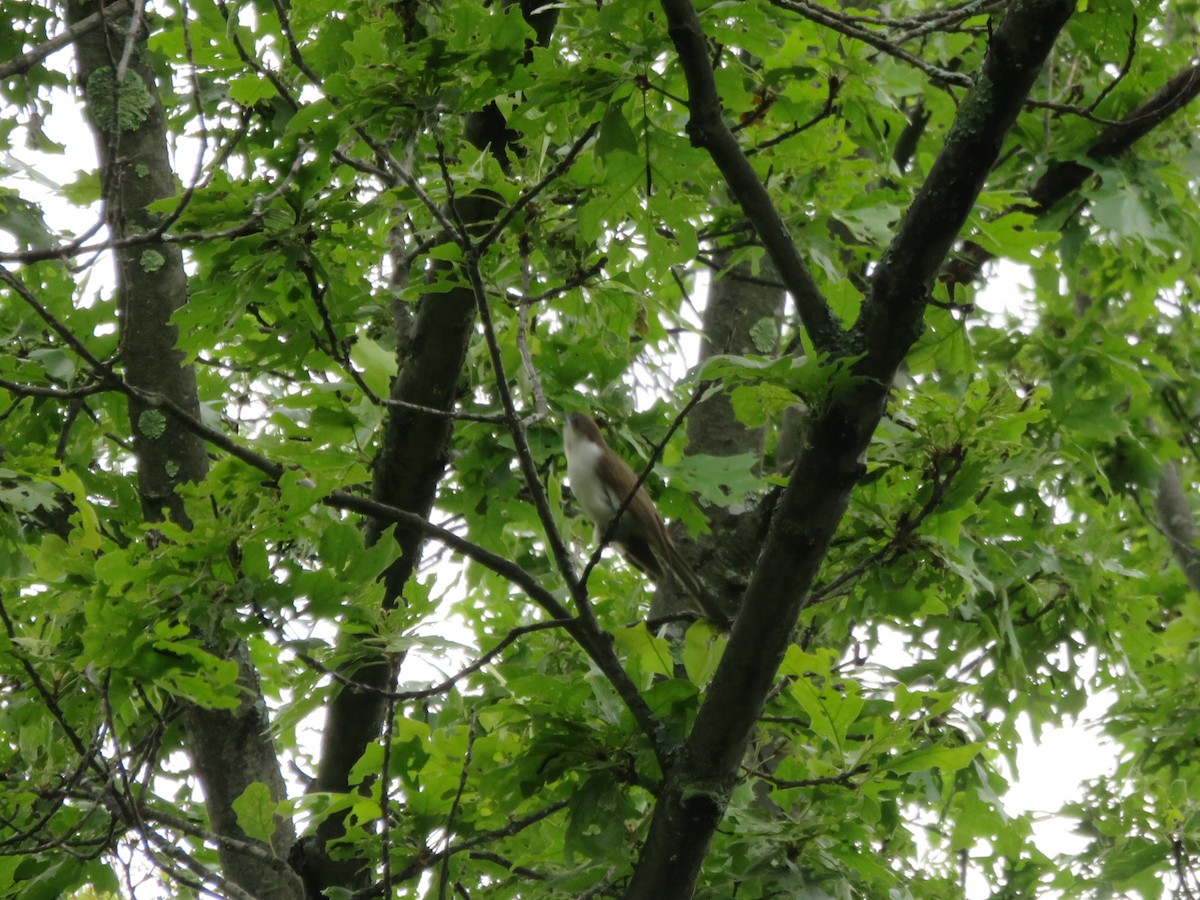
x,y
294,600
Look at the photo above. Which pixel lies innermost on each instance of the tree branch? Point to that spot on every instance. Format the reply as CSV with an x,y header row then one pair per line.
x,y
1064,178
1067,177
707,129
699,784
19,65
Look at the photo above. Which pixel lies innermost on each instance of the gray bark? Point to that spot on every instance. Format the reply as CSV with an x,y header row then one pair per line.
x,y
230,750
697,786
409,467
726,554
1178,523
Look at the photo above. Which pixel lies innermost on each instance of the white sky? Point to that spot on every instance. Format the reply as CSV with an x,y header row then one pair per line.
x,y
1051,766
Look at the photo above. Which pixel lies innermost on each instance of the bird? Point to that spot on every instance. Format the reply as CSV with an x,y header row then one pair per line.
x,y
601,482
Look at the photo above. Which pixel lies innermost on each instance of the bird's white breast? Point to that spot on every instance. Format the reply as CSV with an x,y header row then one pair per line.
x,y
590,491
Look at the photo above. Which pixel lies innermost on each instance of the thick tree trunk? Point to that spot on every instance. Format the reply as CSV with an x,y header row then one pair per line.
x,y
1178,523
741,314
230,750
409,468
697,787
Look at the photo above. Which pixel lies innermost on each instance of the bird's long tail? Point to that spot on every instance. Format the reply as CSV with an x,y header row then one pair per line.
x,y
705,599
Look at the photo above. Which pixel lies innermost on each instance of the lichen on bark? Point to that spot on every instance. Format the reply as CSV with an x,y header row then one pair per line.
x,y
124,105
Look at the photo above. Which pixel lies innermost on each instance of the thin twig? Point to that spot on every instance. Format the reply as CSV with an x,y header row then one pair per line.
x,y
825,112
444,878
337,347
535,381
1130,52
252,225
48,698
37,390
528,196
444,686
906,527
385,781
131,33
594,640
850,27
577,279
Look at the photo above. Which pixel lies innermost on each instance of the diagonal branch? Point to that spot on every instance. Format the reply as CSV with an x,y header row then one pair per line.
x,y
591,638
699,784
1060,180
585,628
891,317
1064,178
21,64
707,129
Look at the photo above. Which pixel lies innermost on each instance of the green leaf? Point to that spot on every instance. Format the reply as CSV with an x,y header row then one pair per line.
x,y
1135,857
88,520
721,480
645,652
615,134
53,881
947,759
703,647
255,812
367,47
251,89
830,710
23,220
378,367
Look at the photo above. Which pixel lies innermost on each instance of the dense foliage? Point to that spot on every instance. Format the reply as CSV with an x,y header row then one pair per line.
x,y
391,243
